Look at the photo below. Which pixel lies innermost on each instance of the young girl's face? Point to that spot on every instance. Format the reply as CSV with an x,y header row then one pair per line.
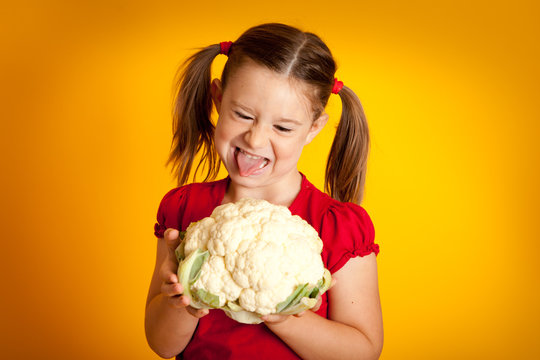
x,y
264,123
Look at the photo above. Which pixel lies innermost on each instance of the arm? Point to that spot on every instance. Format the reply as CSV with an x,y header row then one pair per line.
x,y
354,328
169,321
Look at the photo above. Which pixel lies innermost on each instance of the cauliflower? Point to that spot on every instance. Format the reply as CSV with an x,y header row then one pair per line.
x,y
252,258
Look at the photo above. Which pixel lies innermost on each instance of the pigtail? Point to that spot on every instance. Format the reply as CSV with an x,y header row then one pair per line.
x,y
347,161
193,130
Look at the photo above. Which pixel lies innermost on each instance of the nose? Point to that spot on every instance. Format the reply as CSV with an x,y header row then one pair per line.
x,y
256,136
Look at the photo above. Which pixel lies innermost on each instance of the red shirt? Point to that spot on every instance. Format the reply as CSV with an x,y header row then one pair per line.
x,y
345,229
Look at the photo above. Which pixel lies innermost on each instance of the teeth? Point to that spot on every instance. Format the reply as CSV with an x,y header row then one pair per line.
x,y
251,156
263,164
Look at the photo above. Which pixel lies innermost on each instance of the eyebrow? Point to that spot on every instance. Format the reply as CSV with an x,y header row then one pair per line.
x,y
240,105
293,121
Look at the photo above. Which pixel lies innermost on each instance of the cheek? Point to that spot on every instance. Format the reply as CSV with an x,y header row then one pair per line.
x,y
220,133
290,150
220,141
226,134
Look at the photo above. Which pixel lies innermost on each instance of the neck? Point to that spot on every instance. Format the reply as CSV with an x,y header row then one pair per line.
x,y
281,193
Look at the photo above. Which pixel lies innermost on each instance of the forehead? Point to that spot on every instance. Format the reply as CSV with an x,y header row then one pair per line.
x,y
263,90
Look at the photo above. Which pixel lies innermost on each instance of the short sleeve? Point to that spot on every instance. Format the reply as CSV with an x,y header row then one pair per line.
x,y
347,232
167,214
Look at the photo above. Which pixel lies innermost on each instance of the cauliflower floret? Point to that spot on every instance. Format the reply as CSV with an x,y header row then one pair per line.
x,y
199,233
259,254
216,280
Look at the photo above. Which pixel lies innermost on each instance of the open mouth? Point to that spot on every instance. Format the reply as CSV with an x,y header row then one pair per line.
x,y
249,164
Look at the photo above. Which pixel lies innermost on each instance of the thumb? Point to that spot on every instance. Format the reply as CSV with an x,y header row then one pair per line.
x,y
333,282
172,238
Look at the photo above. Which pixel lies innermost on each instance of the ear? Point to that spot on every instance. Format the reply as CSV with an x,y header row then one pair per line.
x,y
316,127
217,93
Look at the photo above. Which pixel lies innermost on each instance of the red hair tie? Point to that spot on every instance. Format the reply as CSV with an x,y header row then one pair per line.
x,y
337,86
225,47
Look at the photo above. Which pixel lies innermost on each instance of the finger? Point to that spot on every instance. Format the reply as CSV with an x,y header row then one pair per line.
x,y
168,272
333,282
301,313
274,318
185,300
179,301
317,305
176,301
198,313
170,278
172,289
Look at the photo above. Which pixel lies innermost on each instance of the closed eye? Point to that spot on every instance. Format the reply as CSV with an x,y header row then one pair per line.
x,y
242,116
282,129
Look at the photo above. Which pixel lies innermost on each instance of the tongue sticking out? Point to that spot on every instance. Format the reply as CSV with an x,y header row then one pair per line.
x,y
247,164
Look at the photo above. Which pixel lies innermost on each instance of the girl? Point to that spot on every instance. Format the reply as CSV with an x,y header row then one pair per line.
x,y
270,101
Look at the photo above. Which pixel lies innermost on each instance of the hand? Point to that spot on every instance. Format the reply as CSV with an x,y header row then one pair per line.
x,y
277,318
170,286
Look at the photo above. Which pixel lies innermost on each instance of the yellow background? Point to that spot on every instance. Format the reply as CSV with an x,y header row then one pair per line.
x,y
450,90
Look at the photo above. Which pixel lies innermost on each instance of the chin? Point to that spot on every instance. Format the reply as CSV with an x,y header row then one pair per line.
x,y
252,181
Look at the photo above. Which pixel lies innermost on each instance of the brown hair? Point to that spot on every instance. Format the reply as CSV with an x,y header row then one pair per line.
x,y
302,56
